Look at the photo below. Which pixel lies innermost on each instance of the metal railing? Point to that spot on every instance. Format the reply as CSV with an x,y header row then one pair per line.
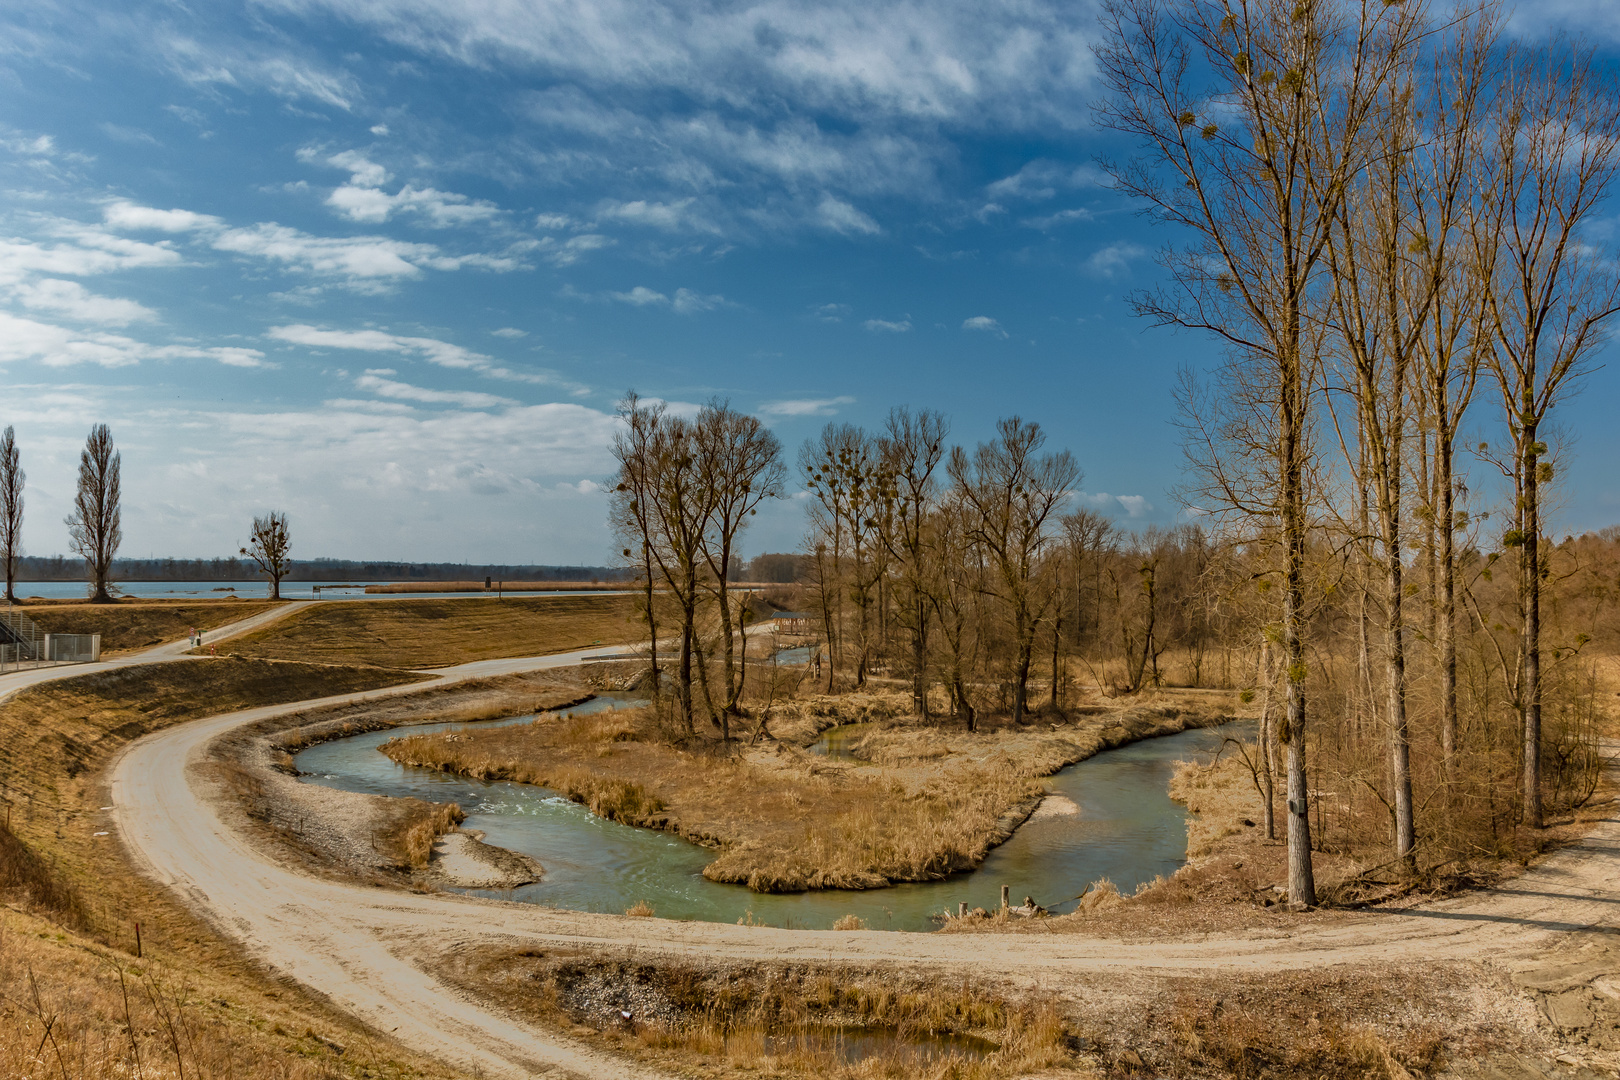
x,y
23,644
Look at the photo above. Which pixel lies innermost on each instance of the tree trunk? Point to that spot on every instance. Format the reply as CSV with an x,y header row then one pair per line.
x,y
1530,586
1267,742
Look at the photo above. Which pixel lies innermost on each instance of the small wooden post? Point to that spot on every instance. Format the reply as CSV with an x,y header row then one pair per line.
x,y
1006,894
137,941
961,909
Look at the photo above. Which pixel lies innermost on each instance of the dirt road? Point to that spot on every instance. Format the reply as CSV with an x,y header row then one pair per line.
x,y
355,945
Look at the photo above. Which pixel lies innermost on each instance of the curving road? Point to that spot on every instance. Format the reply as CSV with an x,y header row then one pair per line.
x,y
356,945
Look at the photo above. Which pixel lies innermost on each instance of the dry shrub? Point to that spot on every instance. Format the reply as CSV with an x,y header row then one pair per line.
x,y
417,825
849,922
1318,1040
640,909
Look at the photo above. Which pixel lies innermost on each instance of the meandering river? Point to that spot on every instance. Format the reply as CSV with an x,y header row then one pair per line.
x,y
1128,830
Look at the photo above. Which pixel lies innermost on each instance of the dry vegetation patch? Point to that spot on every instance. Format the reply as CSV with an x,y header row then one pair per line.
x,y
127,626
922,804
441,633
778,1019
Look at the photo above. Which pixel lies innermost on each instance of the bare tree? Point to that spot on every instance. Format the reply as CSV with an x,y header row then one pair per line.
x,y
12,479
1013,494
95,526
913,446
1553,156
1253,123
270,546
740,466
630,513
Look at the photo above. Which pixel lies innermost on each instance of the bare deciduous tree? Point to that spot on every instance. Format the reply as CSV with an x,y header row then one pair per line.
x,y
95,526
1013,494
12,479
1253,123
1553,157
270,546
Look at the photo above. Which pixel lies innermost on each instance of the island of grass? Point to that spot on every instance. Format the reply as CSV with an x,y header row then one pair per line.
x,y
444,632
920,802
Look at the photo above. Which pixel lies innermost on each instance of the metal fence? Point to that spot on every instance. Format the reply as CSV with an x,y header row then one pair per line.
x,y
22,644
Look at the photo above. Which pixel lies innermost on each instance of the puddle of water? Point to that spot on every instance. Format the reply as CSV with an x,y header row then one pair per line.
x,y
799,654
1127,830
841,743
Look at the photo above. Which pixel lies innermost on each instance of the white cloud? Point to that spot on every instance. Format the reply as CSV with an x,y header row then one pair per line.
x,y
57,346
74,301
686,301
984,324
805,406
379,130
439,209
354,257
1135,506
1113,260
832,312
640,296
1040,180
570,251
510,332
883,326
287,76
374,381
1062,217
670,216
441,353
840,216
552,221
88,251
123,214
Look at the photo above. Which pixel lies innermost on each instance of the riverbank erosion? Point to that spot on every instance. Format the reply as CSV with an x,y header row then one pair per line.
x,y
377,838
908,802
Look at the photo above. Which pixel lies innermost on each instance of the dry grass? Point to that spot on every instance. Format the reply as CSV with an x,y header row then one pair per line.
x,y
495,587
194,1006
849,922
927,805
127,626
439,633
641,910
408,838
781,1020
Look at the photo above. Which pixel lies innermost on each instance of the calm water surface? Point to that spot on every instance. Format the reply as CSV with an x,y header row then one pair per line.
x,y
1127,830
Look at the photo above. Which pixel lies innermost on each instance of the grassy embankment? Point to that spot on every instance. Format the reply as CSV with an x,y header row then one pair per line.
x,y
75,1000
127,626
440,633
923,804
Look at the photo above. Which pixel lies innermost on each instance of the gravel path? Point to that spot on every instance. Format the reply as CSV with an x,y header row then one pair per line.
x,y
356,945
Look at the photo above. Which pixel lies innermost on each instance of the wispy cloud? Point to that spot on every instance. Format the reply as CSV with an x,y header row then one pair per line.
x,y
1114,260
440,353
376,381
984,324
884,326
840,216
59,346
70,299
684,302
805,406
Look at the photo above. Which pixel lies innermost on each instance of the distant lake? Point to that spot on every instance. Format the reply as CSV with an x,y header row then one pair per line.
x,y
256,590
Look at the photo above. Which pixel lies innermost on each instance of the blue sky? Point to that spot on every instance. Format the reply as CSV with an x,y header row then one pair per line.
x,y
387,264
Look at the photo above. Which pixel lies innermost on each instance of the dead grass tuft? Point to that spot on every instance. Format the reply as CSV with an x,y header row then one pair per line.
x,y
849,922
640,909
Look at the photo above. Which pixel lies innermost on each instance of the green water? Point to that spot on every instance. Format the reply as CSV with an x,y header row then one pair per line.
x,y
1127,830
